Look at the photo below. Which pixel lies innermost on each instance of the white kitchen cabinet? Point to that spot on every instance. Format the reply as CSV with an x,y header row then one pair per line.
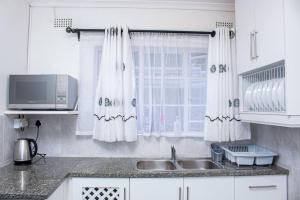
x,y
61,192
245,23
269,28
209,188
276,28
259,33
261,188
99,188
156,188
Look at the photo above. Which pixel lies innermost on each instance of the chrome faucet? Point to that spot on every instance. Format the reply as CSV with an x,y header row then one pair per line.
x,y
173,154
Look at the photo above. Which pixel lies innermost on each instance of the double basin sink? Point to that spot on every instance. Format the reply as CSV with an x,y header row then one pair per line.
x,y
168,165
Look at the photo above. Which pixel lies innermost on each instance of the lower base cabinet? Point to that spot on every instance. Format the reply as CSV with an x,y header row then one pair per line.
x,y
261,188
61,193
209,188
182,188
272,187
156,189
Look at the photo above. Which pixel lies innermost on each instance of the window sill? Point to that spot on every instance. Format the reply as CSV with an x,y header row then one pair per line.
x,y
170,135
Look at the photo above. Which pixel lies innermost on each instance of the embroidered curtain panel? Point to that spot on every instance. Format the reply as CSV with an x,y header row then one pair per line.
x,y
171,83
221,120
115,112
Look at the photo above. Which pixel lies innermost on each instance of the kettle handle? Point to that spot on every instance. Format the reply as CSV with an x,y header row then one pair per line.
x,y
33,153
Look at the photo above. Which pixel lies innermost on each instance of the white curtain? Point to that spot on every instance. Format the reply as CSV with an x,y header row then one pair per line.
x,y
221,120
115,112
171,83
90,53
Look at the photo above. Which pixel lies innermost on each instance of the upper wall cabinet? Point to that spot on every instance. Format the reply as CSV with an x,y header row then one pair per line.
x,y
268,46
260,33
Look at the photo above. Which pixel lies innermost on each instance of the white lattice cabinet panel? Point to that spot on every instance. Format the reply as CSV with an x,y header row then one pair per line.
x,y
261,188
206,187
99,189
156,188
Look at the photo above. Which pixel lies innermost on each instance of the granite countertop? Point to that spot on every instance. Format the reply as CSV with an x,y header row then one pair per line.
x,y
39,180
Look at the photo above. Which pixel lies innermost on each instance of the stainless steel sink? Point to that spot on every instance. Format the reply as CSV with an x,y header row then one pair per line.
x,y
155,165
198,164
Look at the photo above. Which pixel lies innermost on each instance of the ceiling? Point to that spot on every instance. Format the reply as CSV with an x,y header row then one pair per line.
x,y
196,1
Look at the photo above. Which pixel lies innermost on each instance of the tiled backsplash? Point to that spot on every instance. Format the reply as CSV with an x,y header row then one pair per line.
x,y
286,142
57,138
7,138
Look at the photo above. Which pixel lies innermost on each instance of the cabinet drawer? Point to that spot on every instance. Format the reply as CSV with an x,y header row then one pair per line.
x,y
261,188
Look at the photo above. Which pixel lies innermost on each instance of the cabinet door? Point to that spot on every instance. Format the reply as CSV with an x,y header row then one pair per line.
x,y
209,188
261,188
60,193
269,25
245,23
156,189
99,188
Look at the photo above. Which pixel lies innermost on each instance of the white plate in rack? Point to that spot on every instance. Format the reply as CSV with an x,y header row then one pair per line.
x,y
274,95
280,94
269,94
248,97
264,95
254,96
259,96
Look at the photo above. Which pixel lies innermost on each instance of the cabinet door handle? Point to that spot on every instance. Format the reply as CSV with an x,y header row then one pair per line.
x,y
124,193
179,193
187,193
253,187
251,45
255,43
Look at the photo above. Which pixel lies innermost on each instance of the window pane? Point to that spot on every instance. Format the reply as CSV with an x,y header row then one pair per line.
x,y
196,113
174,91
197,92
174,118
171,82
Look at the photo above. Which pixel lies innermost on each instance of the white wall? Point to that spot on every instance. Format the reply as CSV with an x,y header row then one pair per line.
x,y
14,21
52,50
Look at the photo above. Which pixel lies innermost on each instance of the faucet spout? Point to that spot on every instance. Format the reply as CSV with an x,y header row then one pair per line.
x,y
173,154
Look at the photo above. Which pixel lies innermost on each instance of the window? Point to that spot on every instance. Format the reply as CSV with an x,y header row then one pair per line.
x,y
171,83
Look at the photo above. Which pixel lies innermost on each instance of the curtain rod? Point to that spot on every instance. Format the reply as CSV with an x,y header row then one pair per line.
x,y
78,30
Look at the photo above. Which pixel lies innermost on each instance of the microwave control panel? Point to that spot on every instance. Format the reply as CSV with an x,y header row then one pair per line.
x,y
61,86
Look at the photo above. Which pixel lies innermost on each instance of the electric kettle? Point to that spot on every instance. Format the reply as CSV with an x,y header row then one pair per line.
x,y
25,149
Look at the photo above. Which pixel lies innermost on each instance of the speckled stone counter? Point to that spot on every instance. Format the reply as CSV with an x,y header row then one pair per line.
x,y
39,180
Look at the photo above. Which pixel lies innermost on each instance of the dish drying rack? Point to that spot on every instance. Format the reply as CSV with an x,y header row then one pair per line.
x,y
248,154
264,90
242,154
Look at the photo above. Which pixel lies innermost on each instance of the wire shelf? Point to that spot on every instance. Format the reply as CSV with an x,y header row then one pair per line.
x,y
264,90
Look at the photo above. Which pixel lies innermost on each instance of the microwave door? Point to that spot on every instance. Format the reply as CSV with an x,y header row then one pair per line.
x,y
32,91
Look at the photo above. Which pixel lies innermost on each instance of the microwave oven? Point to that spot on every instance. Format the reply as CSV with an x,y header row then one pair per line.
x,y
42,92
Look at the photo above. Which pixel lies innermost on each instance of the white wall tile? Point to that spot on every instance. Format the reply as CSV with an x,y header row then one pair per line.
x,y
57,138
9,139
286,142
1,140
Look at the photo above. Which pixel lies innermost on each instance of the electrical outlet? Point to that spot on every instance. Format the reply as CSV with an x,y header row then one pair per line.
x,y
31,123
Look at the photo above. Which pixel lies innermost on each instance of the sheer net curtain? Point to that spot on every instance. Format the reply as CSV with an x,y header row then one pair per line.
x,y
171,83
89,64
